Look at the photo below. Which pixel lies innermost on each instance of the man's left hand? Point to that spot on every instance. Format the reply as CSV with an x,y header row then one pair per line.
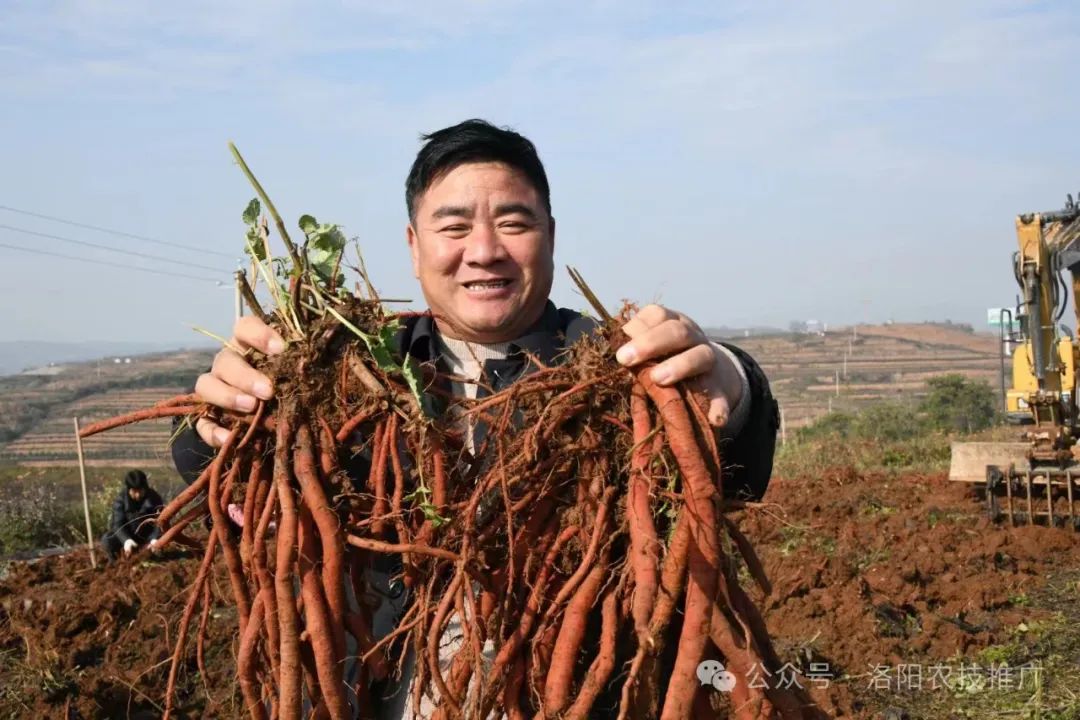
x,y
684,353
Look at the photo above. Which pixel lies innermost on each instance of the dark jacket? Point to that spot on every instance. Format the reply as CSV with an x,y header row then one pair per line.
x,y
748,456
133,520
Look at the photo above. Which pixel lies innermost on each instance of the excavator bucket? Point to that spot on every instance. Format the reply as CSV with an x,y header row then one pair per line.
x,y
1014,490
970,459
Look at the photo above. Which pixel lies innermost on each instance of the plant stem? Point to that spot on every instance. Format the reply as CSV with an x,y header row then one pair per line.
x,y
298,264
589,294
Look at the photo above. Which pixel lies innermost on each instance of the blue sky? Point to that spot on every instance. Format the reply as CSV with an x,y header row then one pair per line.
x,y
745,162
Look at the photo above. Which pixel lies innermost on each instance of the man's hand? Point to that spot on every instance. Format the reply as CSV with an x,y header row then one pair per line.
x,y
129,546
232,384
154,546
656,332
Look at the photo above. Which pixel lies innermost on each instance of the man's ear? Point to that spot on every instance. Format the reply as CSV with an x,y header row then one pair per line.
x,y
414,250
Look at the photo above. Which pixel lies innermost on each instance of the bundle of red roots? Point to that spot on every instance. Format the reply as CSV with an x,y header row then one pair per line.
x,y
572,560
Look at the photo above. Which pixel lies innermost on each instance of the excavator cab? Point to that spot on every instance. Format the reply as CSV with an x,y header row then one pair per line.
x,y
1037,478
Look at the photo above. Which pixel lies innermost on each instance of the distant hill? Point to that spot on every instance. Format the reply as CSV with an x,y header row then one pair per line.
x,y
723,331
19,355
36,409
813,373
810,374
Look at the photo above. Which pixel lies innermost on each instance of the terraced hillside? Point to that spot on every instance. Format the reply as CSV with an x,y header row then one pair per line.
x,y
887,361
36,409
883,362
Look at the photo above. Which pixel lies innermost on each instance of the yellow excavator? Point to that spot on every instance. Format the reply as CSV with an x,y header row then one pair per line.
x,y
1037,478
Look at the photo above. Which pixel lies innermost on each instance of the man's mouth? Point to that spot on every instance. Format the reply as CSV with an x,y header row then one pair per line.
x,y
486,284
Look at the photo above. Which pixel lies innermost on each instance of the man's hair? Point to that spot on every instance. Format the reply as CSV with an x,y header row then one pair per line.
x,y
473,141
135,480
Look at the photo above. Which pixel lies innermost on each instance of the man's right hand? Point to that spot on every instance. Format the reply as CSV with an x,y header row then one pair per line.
x,y
232,384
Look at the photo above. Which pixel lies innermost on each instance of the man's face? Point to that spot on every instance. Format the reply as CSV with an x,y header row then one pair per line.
x,y
482,247
135,494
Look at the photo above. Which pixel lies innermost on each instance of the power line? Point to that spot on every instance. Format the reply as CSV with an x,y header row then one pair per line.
x,y
133,253
121,233
107,263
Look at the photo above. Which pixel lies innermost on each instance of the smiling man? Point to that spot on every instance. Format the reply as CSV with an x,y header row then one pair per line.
x,y
482,239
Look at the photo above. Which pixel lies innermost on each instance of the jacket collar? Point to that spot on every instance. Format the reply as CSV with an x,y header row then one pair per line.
x,y
543,339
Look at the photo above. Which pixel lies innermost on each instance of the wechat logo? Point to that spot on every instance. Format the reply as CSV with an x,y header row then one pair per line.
x,y
712,672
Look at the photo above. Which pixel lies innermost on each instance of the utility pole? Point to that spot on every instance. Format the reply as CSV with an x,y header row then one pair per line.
x,y
783,427
239,296
837,383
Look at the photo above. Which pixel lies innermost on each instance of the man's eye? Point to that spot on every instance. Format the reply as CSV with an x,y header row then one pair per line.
x,y
455,229
514,226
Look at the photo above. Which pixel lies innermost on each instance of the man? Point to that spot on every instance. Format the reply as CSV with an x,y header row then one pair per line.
x,y
134,515
482,238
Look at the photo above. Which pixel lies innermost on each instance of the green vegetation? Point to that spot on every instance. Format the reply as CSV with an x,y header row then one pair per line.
x,y
959,405
892,435
1033,675
42,507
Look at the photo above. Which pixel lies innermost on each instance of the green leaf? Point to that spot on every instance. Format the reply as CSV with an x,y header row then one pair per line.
x,y
381,347
328,237
431,513
254,245
325,244
322,262
414,377
251,212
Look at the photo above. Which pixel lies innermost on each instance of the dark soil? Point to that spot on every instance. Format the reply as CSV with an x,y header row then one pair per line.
x,y
881,570
82,643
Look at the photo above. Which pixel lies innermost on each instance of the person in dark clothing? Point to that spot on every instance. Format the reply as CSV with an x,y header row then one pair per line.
x,y
481,236
134,515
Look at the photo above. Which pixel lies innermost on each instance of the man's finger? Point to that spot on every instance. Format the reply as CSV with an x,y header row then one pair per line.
x,y
211,433
250,331
668,337
647,317
698,360
719,411
235,371
223,395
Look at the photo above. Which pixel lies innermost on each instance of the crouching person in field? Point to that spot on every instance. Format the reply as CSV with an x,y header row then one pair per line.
x,y
134,517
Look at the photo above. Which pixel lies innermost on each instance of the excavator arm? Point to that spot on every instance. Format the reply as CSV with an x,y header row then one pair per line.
x,y
1041,466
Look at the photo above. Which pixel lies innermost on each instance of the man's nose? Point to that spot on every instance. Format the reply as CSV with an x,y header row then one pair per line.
x,y
482,246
